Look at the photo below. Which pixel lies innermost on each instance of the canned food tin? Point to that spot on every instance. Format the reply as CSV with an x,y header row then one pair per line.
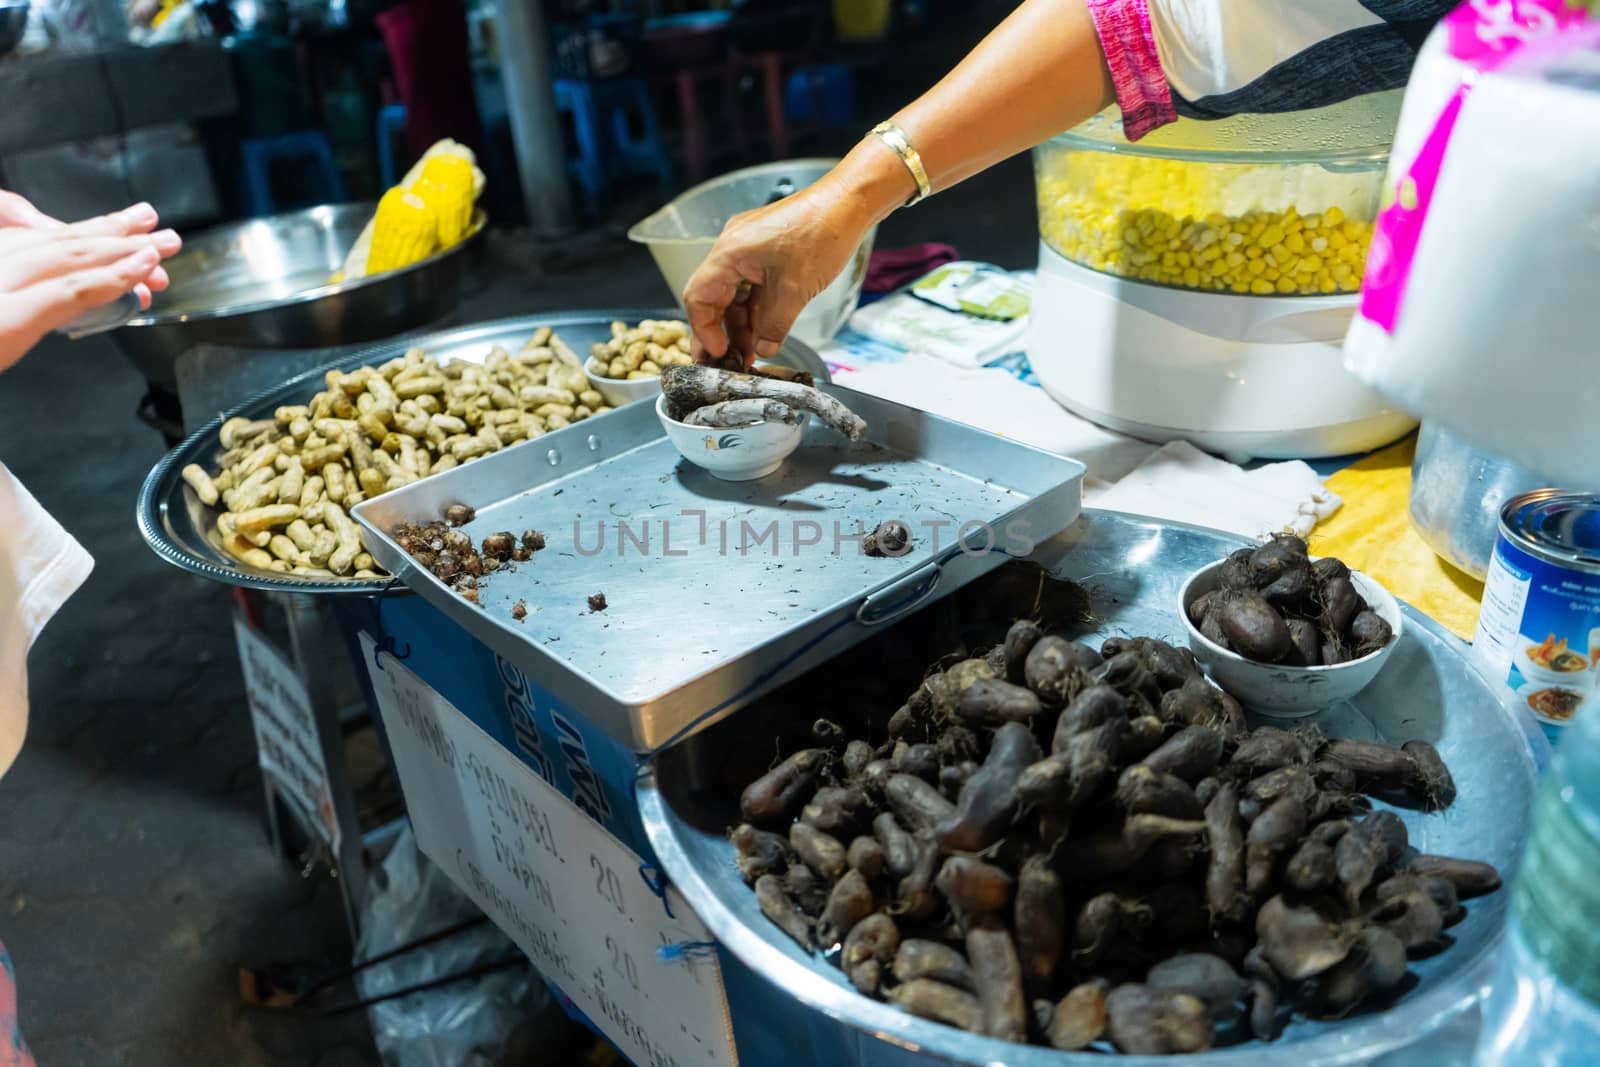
x,y
1540,625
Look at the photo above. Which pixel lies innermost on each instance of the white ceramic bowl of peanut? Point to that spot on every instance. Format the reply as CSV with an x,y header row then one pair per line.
x,y
628,367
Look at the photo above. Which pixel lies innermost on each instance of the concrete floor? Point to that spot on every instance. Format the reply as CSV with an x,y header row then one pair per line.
x,y
134,869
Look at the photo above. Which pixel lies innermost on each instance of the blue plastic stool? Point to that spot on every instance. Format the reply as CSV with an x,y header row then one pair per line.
x,y
824,93
391,124
257,154
603,114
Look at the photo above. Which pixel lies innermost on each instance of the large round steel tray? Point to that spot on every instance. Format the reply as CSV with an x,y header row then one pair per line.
x,y
263,283
1133,567
173,522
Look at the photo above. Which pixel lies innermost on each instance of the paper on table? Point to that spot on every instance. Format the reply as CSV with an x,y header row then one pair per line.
x,y
916,325
995,400
1373,534
1183,484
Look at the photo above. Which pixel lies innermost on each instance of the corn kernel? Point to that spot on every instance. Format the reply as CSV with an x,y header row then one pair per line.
x,y
1261,287
1158,221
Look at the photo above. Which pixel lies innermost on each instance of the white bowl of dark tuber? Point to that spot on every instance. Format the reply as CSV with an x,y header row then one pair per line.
x,y
742,426
1286,634
734,454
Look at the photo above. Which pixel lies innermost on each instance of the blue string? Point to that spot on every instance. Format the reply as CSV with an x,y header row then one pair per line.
x,y
688,951
657,884
385,639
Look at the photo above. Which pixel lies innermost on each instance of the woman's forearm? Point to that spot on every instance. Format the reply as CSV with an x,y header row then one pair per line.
x,y
1040,72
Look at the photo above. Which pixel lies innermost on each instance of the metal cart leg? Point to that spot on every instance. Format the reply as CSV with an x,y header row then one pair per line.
x,y
313,646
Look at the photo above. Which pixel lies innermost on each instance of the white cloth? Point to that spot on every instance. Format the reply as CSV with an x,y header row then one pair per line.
x,y
1183,484
992,399
40,567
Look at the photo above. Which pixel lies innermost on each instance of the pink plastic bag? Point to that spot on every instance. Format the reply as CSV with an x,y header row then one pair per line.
x,y
1478,309
1484,34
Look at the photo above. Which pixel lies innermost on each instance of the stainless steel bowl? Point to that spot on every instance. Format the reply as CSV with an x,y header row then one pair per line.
x,y
264,284
1456,494
13,21
1133,567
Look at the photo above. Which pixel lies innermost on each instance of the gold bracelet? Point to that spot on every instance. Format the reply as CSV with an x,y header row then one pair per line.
x,y
895,138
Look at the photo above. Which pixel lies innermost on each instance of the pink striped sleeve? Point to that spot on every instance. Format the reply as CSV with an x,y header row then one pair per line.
x,y
1130,48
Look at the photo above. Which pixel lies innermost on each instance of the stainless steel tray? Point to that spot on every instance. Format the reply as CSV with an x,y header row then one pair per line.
x,y
173,522
1133,567
697,625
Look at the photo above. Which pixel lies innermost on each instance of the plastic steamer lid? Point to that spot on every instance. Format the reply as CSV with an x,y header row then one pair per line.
x,y
1355,134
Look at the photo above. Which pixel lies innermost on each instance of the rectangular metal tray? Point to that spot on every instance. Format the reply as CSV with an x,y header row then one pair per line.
x,y
714,595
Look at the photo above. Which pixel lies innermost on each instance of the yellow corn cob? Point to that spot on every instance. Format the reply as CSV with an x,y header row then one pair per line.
x,y
404,231
446,184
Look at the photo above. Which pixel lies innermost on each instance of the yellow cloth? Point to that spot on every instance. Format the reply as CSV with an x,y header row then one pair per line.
x,y
1373,534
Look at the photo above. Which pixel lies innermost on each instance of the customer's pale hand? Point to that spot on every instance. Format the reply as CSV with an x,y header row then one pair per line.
x,y
50,274
17,211
767,266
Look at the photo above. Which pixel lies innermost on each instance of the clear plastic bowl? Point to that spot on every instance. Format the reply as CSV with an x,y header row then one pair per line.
x,y
1255,204
681,234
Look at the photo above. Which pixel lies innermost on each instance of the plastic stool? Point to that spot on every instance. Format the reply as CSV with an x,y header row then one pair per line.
x,y
257,154
391,124
823,94
602,116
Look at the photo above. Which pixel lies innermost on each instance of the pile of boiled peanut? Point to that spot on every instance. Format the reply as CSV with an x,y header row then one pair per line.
x,y
641,351
286,484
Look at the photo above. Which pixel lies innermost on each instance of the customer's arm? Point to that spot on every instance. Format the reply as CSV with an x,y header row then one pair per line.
x,y
50,274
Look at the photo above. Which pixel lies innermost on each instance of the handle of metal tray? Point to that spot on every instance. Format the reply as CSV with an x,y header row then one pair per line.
x,y
903,596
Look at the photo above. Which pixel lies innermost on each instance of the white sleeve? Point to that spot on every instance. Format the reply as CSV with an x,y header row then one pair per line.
x,y
40,567
1214,47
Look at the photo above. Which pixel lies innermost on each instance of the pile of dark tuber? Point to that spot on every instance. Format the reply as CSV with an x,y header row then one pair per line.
x,y
450,555
1068,846
1273,604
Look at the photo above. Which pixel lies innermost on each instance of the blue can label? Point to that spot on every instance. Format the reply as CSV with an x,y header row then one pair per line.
x,y
1540,631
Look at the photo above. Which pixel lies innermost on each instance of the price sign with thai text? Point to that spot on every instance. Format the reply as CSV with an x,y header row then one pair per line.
x,y
570,894
287,746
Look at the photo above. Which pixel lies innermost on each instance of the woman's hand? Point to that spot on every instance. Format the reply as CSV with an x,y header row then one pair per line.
x,y
50,274
769,263
766,267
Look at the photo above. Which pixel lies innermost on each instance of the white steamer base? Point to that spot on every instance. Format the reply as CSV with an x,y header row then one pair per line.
x,y
1243,376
